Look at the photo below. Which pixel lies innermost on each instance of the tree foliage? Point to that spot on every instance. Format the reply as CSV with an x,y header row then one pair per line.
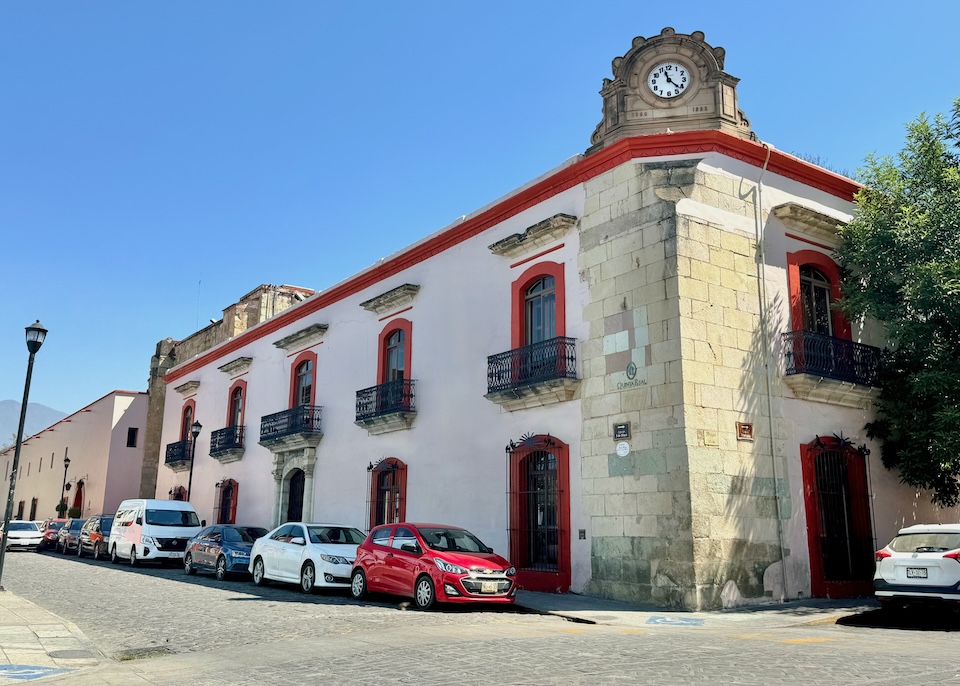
x,y
900,264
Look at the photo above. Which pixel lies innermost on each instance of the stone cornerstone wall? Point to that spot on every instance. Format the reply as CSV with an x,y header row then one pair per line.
x,y
675,350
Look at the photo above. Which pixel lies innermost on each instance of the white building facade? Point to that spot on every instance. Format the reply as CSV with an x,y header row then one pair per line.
x,y
626,374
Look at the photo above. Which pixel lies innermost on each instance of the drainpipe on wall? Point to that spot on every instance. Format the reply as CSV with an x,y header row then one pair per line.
x,y
764,326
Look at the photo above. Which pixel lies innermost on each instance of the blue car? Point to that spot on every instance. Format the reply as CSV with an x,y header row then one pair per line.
x,y
222,549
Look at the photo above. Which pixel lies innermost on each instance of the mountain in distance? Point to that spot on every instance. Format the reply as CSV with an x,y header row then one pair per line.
x,y
39,417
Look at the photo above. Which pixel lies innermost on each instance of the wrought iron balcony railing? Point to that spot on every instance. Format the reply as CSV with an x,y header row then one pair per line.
x,y
303,419
548,360
806,352
225,440
387,398
177,452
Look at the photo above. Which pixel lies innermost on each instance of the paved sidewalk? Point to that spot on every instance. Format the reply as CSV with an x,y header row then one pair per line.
x,y
599,611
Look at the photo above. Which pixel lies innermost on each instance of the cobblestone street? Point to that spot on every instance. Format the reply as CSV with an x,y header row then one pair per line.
x,y
207,632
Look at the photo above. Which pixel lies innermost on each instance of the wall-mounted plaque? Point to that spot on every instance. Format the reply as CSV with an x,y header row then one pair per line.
x,y
744,431
621,431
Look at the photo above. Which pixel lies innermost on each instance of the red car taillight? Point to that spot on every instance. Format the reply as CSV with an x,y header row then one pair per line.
x,y
882,554
955,555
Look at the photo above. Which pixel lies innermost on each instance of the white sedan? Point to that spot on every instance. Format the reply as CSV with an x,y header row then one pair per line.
x,y
23,534
313,555
921,564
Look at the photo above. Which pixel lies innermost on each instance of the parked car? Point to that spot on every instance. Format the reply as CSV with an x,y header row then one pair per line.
x,y
313,555
94,536
920,565
431,563
152,530
22,534
50,530
222,549
68,536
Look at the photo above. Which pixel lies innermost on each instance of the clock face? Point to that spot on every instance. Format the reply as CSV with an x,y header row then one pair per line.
x,y
669,79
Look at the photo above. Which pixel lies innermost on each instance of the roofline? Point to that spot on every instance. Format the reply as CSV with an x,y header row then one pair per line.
x,y
73,414
580,171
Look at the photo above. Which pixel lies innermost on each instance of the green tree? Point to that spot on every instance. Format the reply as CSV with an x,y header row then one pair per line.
x,y
900,264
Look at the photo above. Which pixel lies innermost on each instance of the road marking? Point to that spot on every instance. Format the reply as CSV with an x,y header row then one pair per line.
x,y
572,631
676,621
29,672
808,640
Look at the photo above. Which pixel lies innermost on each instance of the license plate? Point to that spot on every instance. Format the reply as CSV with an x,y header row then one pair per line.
x,y
491,586
916,572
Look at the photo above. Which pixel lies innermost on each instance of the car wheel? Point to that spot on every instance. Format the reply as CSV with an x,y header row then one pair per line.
x,y
358,584
221,571
188,564
79,550
96,551
133,556
424,594
113,555
308,578
259,573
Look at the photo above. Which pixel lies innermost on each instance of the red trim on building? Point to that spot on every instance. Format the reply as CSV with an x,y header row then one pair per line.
x,y
242,385
530,579
638,147
300,359
394,314
184,425
406,326
795,260
401,485
538,255
808,241
518,290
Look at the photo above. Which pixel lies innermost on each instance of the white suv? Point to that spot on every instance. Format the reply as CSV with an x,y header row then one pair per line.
x,y
921,564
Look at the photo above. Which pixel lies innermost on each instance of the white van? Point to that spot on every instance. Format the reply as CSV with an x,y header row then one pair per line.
x,y
152,530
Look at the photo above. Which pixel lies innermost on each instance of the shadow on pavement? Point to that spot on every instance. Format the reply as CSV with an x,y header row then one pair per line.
x,y
928,619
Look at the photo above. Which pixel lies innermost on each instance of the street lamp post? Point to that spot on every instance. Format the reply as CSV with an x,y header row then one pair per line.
x,y
35,335
63,489
194,431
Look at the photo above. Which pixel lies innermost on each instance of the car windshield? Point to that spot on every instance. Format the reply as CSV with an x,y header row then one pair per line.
x,y
244,534
105,525
457,540
56,526
23,526
77,524
931,542
335,534
172,518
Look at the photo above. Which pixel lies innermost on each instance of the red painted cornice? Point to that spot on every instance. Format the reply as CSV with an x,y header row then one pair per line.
x,y
638,147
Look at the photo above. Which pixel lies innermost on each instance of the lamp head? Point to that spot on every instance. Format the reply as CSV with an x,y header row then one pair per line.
x,y
66,462
195,429
35,335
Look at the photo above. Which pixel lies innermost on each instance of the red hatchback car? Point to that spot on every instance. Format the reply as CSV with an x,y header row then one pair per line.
x,y
432,563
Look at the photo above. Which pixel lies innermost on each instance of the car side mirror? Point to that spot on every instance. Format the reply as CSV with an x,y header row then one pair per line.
x,y
410,548
298,540
139,520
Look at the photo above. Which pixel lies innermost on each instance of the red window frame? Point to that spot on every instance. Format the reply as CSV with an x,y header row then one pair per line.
x,y
406,326
518,291
300,359
185,426
795,260
401,484
242,385
232,514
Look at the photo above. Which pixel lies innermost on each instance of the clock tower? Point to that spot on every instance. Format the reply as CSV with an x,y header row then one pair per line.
x,y
672,82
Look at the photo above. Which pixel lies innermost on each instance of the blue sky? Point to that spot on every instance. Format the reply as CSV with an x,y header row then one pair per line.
x,y
159,160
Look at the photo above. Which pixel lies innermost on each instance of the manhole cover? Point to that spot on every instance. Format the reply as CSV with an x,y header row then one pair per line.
x,y
140,653
71,654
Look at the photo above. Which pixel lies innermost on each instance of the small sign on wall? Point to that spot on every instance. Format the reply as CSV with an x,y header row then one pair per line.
x,y
621,431
744,431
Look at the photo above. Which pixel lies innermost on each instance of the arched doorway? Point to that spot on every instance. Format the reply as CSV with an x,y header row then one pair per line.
x,y
839,528
227,502
539,517
78,498
295,484
178,493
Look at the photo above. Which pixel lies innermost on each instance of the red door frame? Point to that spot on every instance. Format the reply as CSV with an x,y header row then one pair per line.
x,y
820,587
534,580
